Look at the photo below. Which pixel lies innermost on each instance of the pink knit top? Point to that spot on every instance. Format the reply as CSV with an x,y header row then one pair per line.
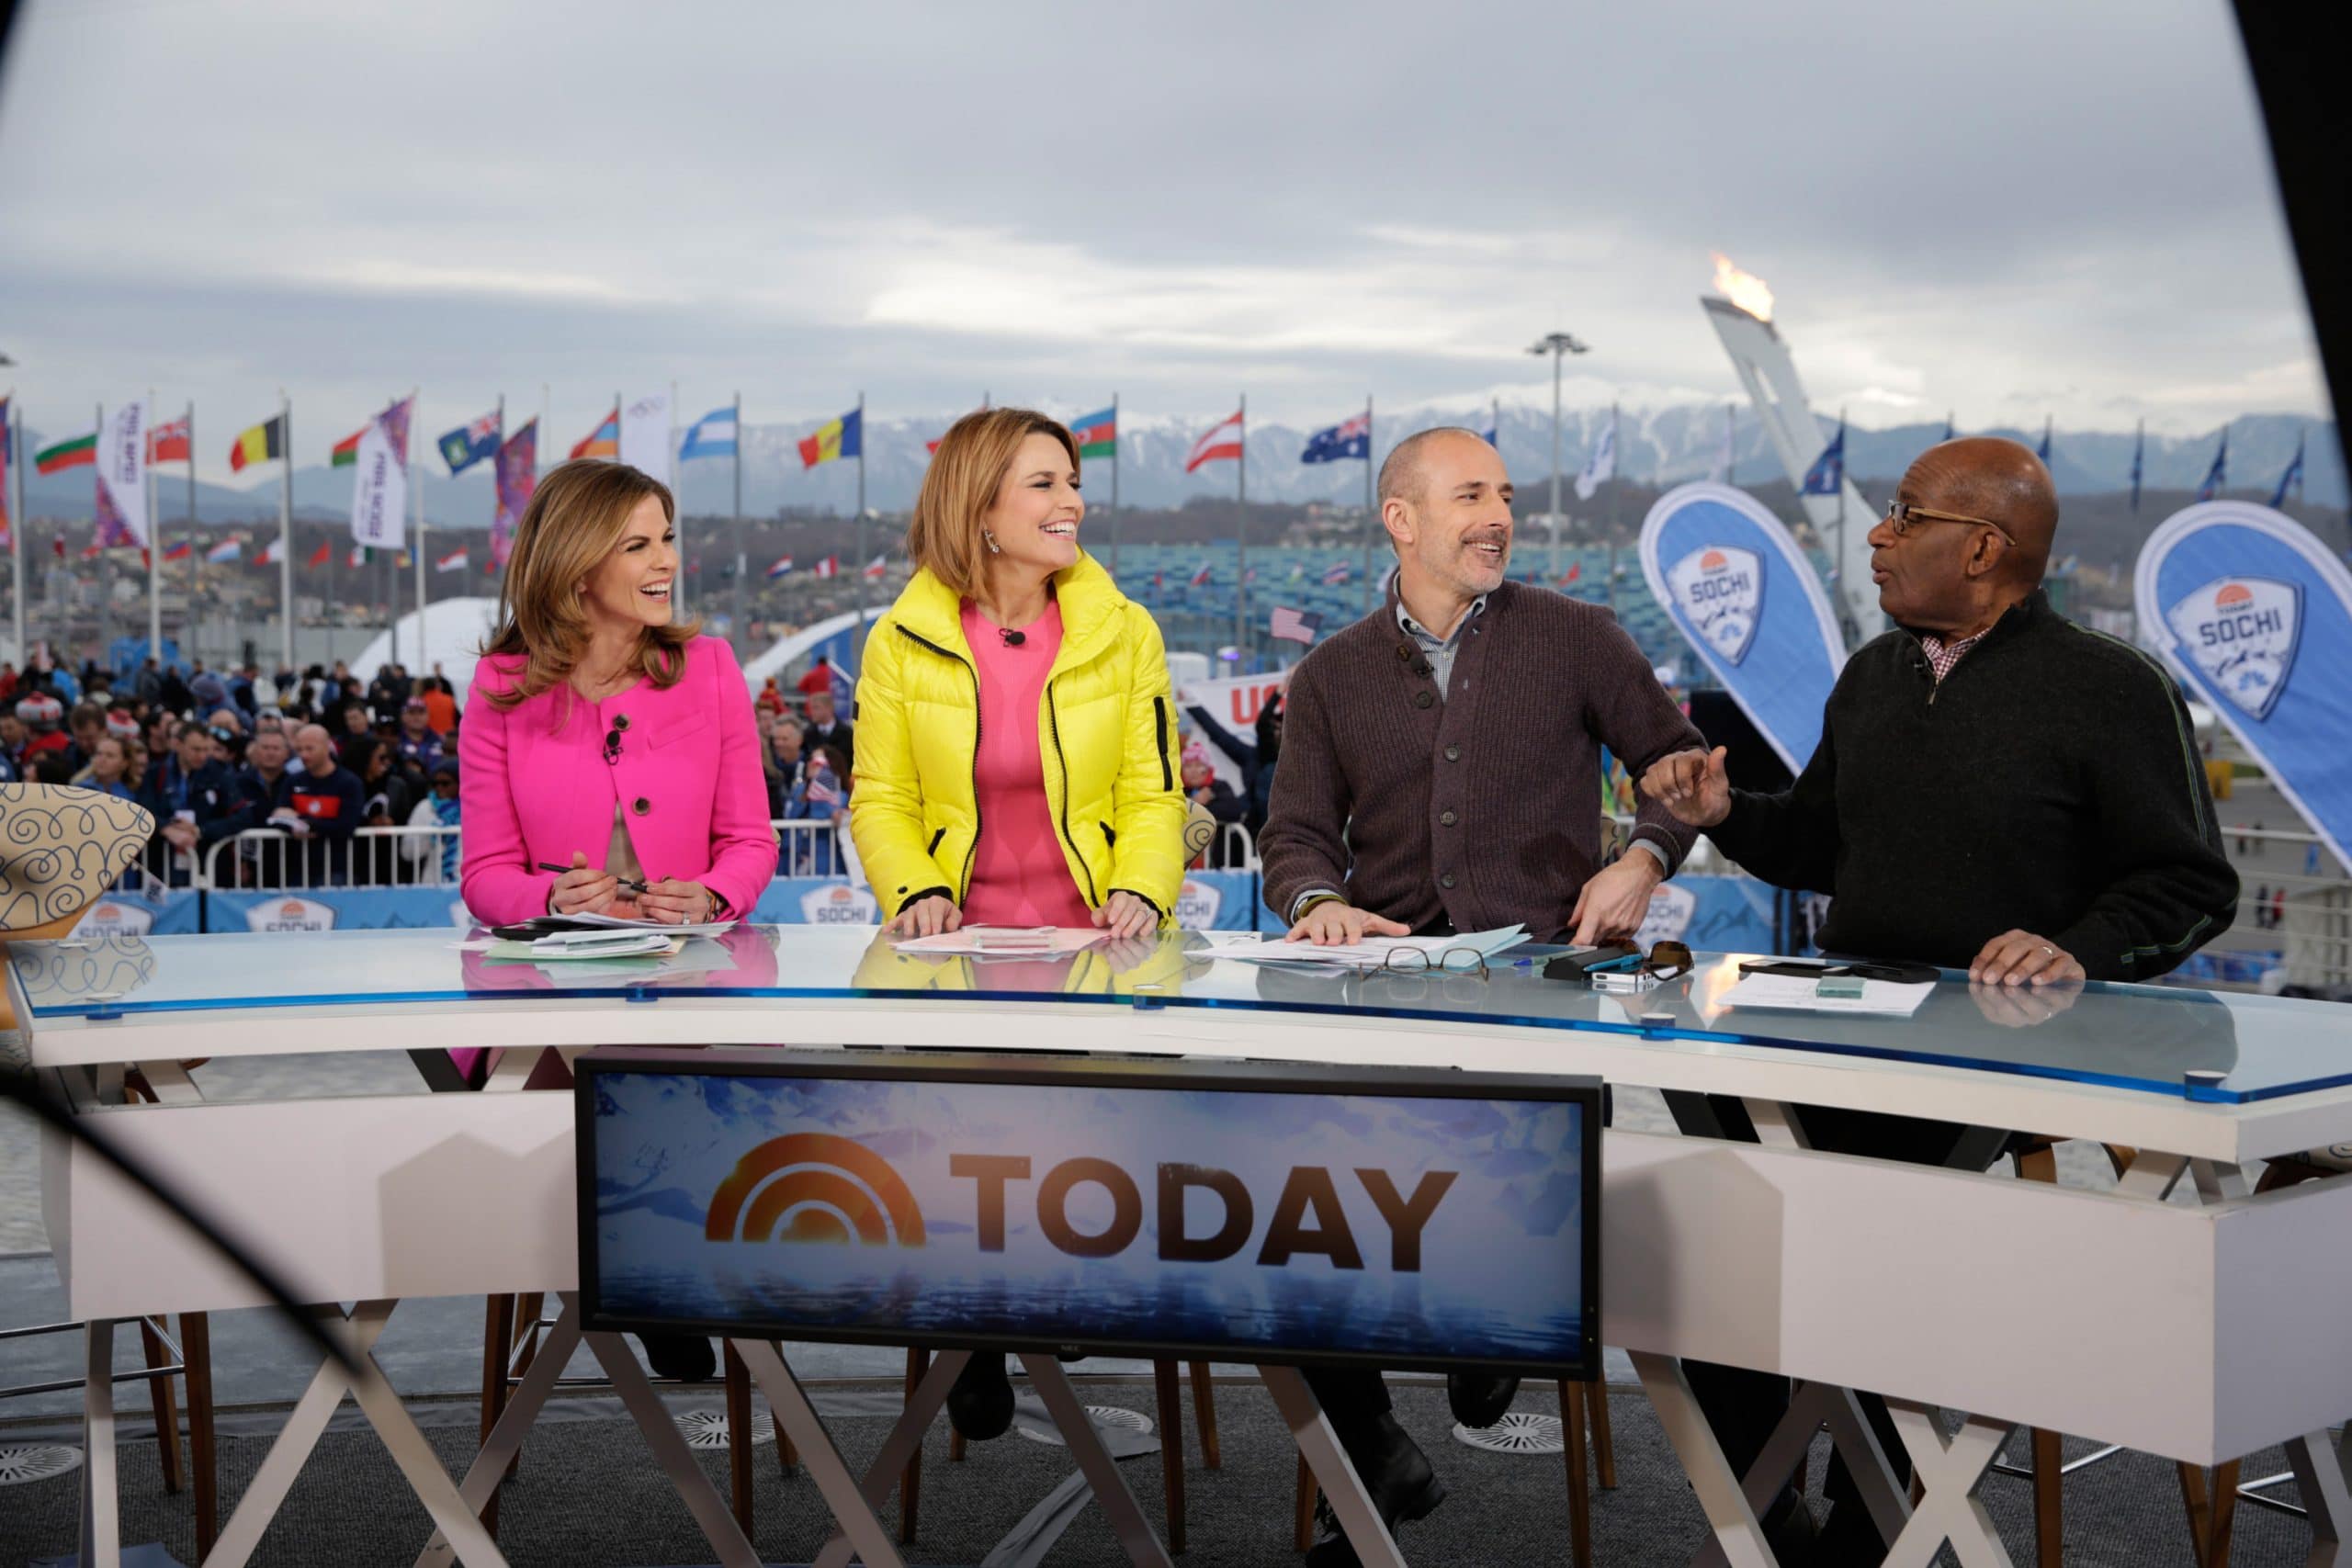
x,y
1019,875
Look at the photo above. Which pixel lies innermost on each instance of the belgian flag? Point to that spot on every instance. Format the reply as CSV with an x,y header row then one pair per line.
x,y
264,443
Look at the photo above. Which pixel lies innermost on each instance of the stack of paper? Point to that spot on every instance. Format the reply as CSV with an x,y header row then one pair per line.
x,y
1004,942
1891,998
578,946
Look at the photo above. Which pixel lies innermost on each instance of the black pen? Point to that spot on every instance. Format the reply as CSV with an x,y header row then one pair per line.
x,y
629,882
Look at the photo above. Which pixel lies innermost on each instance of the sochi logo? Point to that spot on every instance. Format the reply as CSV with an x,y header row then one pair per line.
x,y
1719,591
2242,632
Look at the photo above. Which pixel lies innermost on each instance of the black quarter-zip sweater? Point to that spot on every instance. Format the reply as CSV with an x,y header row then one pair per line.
x,y
2052,784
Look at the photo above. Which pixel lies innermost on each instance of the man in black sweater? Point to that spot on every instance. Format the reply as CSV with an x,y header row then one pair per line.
x,y
1996,790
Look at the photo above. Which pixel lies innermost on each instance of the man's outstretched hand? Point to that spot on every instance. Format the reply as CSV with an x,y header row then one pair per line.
x,y
1691,786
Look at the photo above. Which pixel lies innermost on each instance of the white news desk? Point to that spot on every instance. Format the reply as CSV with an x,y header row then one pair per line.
x,y
1937,1287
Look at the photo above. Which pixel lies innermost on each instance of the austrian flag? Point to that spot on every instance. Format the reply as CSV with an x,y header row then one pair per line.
x,y
1222,441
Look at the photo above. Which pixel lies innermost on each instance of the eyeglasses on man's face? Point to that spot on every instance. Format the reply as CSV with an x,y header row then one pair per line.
x,y
1902,518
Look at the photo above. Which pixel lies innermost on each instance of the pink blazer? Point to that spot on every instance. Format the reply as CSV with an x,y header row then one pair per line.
x,y
686,774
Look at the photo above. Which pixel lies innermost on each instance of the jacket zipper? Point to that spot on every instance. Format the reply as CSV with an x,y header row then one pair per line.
x,y
1159,733
964,878
1053,719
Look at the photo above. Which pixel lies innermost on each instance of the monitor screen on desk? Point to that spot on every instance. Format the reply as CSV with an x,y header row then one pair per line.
x,y
1421,1218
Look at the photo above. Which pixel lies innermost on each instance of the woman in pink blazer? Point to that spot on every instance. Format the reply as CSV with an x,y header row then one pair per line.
x,y
601,736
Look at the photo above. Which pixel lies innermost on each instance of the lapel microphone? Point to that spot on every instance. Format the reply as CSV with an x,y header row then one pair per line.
x,y
1010,639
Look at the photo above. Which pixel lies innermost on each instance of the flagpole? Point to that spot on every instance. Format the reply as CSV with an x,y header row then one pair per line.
x,y
105,557
154,541
17,522
335,549
416,505
1371,512
677,480
1115,488
1843,588
187,613
1731,445
286,531
861,533
546,422
1241,538
735,592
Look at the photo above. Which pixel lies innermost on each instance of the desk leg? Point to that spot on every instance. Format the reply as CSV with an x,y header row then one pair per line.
x,y
504,1439
1949,1471
1350,1504
2324,1476
1102,1471
1737,1535
1814,1406
101,1509
669,1450
903,1443
851,1510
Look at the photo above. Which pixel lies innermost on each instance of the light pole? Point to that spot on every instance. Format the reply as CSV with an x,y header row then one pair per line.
x,y
1559,345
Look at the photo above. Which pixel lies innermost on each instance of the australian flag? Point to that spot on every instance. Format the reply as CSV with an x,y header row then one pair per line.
x,y
469,444
1351,438
1828,474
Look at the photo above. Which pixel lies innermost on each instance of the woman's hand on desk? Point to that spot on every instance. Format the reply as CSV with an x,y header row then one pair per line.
x,y
1126,916
676,902
925,916
584,890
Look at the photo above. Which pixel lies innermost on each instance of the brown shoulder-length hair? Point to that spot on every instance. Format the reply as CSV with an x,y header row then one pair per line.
x,y
576,518
961,485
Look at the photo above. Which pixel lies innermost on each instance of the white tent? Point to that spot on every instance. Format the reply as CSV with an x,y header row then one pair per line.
x,y
789,652
454,631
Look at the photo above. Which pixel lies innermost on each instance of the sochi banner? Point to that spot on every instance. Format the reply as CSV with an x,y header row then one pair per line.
x,y
1225,714
380,485
1744,598
2255,615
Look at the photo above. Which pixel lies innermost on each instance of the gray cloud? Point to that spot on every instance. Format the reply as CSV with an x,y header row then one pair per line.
x,y
2033,208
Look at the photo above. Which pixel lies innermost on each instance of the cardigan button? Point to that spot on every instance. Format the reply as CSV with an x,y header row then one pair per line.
x,y
1446,819
1446,881
1453,753
640,805
1422,699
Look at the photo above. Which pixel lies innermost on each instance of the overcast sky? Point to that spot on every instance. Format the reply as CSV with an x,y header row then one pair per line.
x,y
2065,209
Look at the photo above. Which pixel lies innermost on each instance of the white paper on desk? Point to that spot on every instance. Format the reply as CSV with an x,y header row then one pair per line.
x,y
708,927
1003,941
1371,953
1891,998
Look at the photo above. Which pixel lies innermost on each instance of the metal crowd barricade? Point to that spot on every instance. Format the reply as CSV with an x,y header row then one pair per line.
x,y
270,860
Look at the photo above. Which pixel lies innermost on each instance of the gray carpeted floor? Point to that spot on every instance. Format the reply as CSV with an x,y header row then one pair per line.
x,y
588,1495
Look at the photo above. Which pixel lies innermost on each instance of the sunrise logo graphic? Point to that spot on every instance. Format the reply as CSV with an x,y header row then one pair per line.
x,y
814,1187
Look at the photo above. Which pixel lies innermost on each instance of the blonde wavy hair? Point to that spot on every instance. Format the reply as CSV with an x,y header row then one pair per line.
x,y
576,518
961,484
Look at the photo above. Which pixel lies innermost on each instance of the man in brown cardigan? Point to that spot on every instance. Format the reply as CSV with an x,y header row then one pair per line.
x,y
1440,770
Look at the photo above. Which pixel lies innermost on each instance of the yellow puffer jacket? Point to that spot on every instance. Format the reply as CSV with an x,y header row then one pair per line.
x,y
1106,734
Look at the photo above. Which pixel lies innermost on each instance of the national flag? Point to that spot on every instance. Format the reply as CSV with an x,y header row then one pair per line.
x,y
180,551
930,448
226,551
456,560
1294,625
712,436
1950,433
2042,451
94,550
2218,475
58,545
1348,438
1493,434
780,567
346,451
7,456
1602,467
81,452
265,443
1336,575
1576,572
1828,474
821,788
357,558
842,437
877,566
1097,435
2293,478
828,566
605,441
169,444
270,552
324,554
517,475
2139,453
1200,578
1221,441
469,444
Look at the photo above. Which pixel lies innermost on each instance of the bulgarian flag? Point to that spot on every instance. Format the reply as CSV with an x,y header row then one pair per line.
x,y
82,452
346,451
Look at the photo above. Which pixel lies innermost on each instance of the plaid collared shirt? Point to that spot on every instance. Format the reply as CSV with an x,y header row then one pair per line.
x,y
1943,656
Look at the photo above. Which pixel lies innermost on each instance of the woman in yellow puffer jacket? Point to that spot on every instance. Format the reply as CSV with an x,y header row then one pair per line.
x,y
1016,736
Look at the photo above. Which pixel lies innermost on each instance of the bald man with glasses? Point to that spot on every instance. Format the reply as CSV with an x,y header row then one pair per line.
x,y
1996,790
